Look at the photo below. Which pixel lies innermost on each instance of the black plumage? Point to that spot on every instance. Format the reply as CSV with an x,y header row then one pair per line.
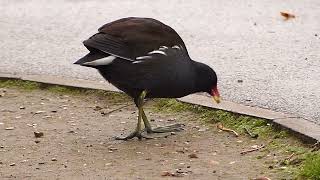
x,y
147,59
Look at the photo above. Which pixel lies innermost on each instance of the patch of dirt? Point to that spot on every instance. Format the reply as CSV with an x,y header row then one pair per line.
x,y
78,142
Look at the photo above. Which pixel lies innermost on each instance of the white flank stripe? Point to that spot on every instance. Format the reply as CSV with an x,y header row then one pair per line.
x,y
144,57
101,62
157,52
176,47
136,62
163,47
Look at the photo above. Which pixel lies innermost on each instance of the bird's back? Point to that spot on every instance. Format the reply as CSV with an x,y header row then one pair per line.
x,y
132,37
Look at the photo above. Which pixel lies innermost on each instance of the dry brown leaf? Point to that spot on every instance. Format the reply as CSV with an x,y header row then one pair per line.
x,y
287,15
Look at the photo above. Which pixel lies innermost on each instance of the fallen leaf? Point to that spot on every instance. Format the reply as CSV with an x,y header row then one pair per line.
x,y
38,134
97,108
12,164
287,16
193,155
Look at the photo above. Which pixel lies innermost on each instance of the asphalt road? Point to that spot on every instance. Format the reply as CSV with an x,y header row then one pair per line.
x,y
261,60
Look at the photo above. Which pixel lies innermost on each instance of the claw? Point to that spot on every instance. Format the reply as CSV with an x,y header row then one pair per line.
x,y
139,135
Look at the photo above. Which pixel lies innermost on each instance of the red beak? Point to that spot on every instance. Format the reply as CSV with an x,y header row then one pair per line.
x,y
215,94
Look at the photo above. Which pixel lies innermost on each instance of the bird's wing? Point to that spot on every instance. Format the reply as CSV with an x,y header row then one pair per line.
x,y
163,53
110,45
133,37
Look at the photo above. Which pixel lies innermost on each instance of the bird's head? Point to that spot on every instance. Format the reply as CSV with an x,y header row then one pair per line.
x,y
207,81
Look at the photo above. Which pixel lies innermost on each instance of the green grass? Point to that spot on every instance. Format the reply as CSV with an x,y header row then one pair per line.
x,y
311,167
231,120
25,85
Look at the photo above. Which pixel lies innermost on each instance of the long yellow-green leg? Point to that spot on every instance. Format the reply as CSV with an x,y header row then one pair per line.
x,y
138,131
170,128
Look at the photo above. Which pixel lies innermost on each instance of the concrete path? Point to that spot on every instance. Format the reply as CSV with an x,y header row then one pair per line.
x,y
276,61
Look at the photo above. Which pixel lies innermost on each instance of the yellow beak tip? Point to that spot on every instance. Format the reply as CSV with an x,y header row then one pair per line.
x,y
217,99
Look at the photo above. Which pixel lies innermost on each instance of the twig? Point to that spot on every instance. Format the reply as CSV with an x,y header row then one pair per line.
x,y
252,150
121,107
289,157
221,127
315,147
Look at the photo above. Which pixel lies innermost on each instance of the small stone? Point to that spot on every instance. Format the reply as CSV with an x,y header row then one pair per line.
x,y
38,134
232,162
22,107
108,164
54,159
37,141
1,123
166,173
10,128
71,131
173,119
54,111
316,35
240,81
203,129
39,112
193,155
12,164
41,163
112,148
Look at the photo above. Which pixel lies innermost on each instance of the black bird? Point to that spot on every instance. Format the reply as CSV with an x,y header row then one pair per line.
x,y
147,59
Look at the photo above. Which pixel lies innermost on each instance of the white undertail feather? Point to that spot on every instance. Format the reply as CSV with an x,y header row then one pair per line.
x,y
101,62
157,52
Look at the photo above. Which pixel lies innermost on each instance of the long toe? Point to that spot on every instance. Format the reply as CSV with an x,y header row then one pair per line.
x,y
139,135
169,128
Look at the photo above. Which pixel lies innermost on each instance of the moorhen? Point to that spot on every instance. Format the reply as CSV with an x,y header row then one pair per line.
x,y
147,59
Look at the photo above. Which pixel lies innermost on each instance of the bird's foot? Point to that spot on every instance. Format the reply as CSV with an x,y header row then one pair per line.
x,y
137,134
165,129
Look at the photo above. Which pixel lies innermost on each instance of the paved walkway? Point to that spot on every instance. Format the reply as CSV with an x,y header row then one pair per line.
x,y
276,61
